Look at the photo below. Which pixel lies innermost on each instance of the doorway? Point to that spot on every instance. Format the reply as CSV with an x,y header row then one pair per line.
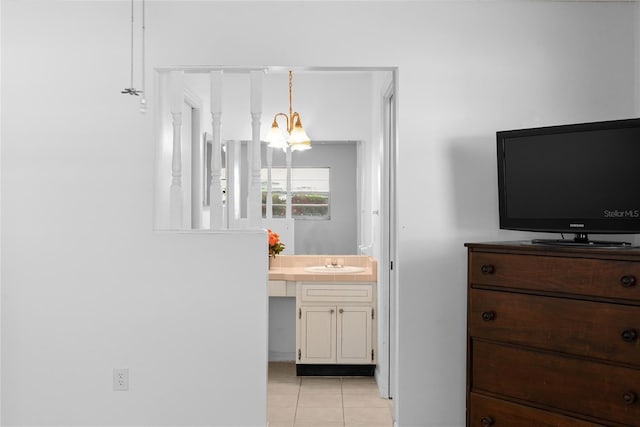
x,y
377,218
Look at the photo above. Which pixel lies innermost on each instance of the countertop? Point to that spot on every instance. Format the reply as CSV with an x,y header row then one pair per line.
x,y
292,268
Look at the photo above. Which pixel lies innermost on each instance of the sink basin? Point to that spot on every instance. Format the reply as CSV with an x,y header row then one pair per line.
x,y
333,270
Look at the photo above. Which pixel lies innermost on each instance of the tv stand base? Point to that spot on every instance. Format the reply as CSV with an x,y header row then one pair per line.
x,y
581,240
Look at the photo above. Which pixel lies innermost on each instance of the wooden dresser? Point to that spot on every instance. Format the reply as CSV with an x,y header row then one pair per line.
x,y
552,336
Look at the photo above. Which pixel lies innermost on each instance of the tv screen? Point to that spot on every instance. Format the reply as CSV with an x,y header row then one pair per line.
x,y
580,178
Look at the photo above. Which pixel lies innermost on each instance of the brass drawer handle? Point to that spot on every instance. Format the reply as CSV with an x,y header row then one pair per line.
x,y
488,316
486,421
628,281
629,335
629,397
487,269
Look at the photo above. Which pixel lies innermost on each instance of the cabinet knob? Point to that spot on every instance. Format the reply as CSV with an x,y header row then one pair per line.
x,y
487,269
486,421
487,316
341,311
629,335
627,281
629,397
332,311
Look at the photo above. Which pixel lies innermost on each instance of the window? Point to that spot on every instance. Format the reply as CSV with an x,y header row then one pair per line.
x,y
309,192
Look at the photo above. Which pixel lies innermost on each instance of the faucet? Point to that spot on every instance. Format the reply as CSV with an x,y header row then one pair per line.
x,y
334,262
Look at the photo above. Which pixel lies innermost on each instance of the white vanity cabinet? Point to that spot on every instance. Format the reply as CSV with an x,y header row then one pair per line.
x,y
335,328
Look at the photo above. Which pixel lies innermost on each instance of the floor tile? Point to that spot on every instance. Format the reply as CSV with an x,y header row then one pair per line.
x,y
364,401
276,379
319,424
321,384
283,388
278,414
319,400
367,416
389,424
282,400
280,424
294,401
319,415
320,381
359,380
369,389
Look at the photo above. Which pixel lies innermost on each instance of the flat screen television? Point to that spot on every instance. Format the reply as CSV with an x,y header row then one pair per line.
x,y
579,178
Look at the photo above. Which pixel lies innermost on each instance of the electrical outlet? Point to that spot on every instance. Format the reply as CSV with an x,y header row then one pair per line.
x,y
121,379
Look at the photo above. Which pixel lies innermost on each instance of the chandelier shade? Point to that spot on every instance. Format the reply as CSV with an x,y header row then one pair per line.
x,y
275,137
298,138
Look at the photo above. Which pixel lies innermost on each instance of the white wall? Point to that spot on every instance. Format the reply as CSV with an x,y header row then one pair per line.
x,y
338,234
282,329
87,286
466,69
489,67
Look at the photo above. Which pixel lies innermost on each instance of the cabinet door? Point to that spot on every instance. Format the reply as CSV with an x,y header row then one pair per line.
x,y
318,334
354,335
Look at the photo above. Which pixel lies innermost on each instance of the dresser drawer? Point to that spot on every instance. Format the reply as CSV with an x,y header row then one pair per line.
x,y
568,275
486,411
599,390
320,292
586,328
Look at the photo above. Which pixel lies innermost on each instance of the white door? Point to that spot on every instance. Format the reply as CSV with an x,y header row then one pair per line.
x,y
318,334
354,335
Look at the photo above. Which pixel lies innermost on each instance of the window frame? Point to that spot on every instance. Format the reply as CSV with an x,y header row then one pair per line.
x,y
324,217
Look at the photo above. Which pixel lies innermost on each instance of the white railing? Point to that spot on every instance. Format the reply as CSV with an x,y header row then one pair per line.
x,y
254,209
224,211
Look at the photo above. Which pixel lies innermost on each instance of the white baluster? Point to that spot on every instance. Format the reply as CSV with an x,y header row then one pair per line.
x,y
175,191
289,161
225,197
233,183
269,187
215,189
254,210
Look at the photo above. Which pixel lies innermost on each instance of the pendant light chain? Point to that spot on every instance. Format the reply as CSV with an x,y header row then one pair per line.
x,y
143,101
131,86
290,124
131,90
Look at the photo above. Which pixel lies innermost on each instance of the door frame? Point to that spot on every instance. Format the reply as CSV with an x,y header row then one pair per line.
x,y
389,248
388,265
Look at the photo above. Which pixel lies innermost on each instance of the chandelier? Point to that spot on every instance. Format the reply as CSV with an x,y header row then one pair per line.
x,y
296,138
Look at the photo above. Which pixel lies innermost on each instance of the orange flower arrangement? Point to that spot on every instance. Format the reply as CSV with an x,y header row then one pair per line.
x,y
275,245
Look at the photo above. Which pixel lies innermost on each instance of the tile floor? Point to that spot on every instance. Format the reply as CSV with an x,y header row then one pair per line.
x,y
323,401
